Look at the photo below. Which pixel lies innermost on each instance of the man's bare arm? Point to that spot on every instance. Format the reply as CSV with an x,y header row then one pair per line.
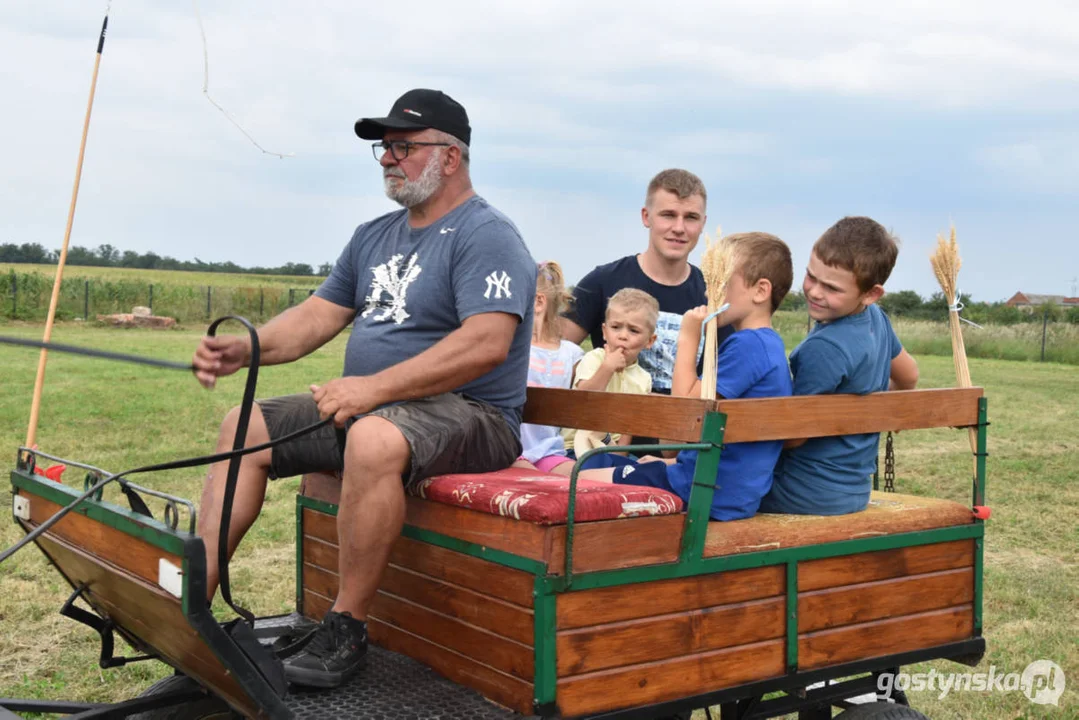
x,y
302,329
572,331
289,336
477,347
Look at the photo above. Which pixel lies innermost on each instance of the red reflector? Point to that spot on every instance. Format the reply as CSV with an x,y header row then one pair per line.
x,y
52,473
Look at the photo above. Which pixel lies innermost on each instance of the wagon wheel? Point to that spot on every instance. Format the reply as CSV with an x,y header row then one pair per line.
x,y
209,707
881,711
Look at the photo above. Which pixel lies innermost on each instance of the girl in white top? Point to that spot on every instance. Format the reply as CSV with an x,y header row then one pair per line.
x,y
551,365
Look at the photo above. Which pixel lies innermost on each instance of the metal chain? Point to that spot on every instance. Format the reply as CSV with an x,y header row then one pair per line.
x,y
889,465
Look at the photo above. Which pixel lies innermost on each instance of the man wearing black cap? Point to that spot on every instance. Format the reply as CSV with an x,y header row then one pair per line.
x,y
440,299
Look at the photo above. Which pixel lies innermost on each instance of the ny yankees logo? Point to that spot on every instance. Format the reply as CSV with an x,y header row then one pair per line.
x,y
394,282
498,284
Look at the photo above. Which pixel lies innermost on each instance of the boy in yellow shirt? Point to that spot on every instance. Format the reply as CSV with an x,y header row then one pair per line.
x,y
628,328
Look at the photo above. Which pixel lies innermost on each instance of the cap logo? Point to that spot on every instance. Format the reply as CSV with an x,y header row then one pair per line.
x,y
412,112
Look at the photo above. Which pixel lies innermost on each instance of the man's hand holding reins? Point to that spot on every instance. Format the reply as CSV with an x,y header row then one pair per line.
x,y
219,356
346,397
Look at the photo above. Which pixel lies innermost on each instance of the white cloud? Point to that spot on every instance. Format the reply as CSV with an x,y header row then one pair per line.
x,y
1047,162
574,106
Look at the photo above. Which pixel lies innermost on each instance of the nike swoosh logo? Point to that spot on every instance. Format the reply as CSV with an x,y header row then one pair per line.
x,y
443,231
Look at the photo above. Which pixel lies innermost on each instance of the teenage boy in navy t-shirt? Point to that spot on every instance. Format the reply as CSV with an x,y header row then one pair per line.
x,y
752,363
851,349
674,213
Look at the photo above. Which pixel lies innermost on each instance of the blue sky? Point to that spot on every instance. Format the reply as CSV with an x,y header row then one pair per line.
x,y
794,114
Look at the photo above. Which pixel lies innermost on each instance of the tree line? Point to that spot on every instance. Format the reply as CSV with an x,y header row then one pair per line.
x,y
109,256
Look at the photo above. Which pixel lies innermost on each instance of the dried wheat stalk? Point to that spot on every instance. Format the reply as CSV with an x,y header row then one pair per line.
x,y
946,263
717,264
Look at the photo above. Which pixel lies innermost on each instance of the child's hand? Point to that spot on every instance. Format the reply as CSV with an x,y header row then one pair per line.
x,y
692,321
615,359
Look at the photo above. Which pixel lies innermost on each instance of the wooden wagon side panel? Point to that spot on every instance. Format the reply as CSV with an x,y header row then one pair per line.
x,y
120,573
469,619
868,605
663,640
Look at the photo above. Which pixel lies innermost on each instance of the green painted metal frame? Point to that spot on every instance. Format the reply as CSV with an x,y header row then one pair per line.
x,y
152,531
691,561
705,448
791,588
299,555
545,660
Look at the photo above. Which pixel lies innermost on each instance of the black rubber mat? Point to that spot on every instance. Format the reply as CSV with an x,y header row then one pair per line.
x,y
390,687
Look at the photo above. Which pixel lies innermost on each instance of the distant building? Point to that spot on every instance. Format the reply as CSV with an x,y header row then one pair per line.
x,y
1031,301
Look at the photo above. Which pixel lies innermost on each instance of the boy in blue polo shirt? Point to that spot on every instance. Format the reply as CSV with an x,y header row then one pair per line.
x,y
752,363
851,349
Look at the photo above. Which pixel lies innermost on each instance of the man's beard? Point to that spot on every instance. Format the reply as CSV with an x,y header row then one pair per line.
x,y
411,193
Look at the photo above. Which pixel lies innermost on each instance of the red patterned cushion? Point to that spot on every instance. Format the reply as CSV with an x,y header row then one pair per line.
x,y
544,499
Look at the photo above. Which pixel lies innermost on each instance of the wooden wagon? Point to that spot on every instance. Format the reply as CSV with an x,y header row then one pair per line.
x,y
628,617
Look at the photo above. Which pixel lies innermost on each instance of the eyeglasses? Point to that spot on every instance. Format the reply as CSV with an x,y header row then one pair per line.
x,y
399,149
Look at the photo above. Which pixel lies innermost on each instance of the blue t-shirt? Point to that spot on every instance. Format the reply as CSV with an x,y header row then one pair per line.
x,y
832,475
411,287
751,364
590,298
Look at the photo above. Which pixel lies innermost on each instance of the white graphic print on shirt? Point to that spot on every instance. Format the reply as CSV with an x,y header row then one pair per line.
x,y
658,360
499,283
392,280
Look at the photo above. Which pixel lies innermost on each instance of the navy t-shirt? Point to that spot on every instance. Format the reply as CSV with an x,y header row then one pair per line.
x,y
411,287
751,364
590,298
832,475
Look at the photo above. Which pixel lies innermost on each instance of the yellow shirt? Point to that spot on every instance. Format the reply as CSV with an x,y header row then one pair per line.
x,y
634,380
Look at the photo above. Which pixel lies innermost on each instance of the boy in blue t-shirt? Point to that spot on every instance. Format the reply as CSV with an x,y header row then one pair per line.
x,y
851,349
752,363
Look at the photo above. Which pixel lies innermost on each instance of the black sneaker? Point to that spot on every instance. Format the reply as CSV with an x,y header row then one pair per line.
x,y
335,652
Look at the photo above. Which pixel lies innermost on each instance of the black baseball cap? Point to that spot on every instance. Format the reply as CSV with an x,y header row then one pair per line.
x,y
416,110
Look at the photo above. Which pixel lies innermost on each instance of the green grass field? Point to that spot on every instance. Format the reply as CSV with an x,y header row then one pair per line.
x,y
117,416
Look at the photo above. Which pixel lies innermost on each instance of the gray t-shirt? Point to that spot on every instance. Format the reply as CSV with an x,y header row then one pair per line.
x,y
412,287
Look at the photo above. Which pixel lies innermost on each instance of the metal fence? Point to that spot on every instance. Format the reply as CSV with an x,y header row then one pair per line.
x,y
29,295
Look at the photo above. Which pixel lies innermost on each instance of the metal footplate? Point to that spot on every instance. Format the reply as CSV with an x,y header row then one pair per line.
x,y
390,686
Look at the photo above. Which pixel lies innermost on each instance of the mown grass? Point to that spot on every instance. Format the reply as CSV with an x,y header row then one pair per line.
x,y
117,416
997,342
165,277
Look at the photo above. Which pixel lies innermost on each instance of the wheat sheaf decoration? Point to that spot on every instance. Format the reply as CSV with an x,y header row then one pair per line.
x,y
946,263
717,264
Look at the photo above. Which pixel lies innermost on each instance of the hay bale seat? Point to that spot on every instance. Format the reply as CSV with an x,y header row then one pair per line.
x,y
501,627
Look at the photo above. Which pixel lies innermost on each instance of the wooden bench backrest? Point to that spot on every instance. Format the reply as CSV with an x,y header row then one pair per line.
x,y
681,419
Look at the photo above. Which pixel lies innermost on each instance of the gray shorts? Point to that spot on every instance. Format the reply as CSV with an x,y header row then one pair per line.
x,y
446,434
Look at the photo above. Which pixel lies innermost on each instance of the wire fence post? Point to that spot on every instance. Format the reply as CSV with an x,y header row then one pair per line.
x,y
1045,328
209,296
85,299
151,304
14,294
290,293
262,303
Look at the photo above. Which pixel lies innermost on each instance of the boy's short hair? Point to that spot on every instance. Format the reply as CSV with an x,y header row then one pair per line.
x,y
682,183
632,299
759,255
861,245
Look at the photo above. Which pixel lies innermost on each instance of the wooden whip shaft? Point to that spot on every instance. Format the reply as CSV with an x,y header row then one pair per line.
x,y
39,382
